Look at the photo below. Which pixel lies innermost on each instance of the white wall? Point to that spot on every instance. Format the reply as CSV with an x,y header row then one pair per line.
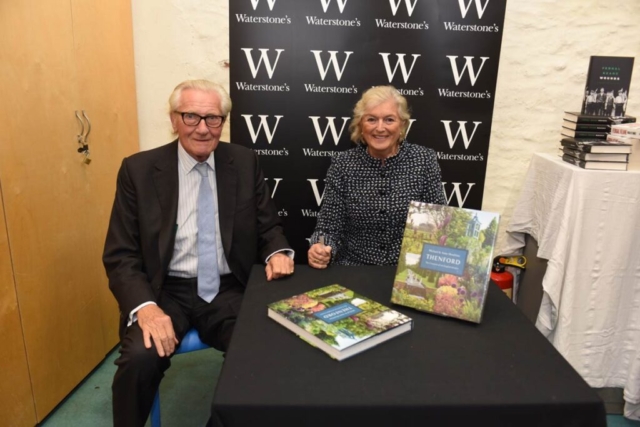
x,y
174,41
546,47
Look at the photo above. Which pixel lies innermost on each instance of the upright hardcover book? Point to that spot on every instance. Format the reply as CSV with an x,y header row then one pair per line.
x,y
607,88
445,260
338,321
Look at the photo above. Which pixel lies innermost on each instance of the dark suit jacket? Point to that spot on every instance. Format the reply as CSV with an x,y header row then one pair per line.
x,y
142,229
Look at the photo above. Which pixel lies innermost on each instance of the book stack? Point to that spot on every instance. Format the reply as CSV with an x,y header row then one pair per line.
x,y
576,125
588,141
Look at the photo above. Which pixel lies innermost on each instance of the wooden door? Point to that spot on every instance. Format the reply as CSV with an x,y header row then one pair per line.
x,y
107,92
40,175
56,205
16,403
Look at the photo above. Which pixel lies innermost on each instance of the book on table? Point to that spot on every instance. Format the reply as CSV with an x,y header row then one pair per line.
x,y
634,143
583,134
339,321
589,127
607,88
595,145
598,157
619,166
627,129
577,117
616,138
445,260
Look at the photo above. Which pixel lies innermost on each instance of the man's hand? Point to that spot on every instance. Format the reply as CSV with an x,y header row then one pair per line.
x,y
279,265
319,255
157,326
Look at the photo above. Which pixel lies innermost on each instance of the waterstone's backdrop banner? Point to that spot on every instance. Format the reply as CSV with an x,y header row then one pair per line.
x,y
299,66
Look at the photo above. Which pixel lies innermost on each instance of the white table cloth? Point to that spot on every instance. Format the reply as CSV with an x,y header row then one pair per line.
x,y
587,224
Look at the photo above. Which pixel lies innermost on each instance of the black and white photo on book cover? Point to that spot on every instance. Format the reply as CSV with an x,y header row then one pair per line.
x,y
607,88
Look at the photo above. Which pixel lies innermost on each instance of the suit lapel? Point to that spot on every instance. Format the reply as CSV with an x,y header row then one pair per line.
x,y
165,179
226,188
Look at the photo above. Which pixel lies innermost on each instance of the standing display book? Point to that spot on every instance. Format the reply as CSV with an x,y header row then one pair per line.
x,y
607,89
338,321
445,260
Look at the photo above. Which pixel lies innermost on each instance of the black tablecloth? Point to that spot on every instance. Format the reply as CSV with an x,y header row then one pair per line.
x,y
445,372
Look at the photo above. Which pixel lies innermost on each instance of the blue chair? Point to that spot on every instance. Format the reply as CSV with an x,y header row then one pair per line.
x,y
190,342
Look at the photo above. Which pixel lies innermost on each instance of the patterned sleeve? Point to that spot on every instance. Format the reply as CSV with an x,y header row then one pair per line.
x,y
333,212
433,192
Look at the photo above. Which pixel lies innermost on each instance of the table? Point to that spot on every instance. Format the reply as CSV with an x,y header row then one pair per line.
x,y
445,372
587,224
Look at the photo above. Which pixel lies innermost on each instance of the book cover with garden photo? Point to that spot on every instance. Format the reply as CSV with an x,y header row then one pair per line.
x,y
339,321
445,260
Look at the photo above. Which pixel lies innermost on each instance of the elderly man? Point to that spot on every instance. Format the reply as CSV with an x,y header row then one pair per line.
x,y
189,220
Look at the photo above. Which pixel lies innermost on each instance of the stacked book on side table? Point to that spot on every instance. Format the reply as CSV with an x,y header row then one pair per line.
x,y
600,142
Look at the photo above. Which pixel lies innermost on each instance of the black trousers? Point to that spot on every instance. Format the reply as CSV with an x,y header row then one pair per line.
x,y
140,369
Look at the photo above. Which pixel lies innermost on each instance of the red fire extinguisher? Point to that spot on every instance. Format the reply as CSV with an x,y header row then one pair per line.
x,y
503,278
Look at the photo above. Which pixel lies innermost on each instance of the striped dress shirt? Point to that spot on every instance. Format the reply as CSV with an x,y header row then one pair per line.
x,y
184,262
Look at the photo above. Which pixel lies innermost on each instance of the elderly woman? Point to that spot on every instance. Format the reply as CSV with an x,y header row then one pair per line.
x,y
369,187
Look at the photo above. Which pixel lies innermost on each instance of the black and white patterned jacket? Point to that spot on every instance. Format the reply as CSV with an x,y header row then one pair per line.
x,y
366,201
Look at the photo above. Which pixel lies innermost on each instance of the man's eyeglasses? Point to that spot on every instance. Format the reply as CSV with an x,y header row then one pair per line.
x,y
192,119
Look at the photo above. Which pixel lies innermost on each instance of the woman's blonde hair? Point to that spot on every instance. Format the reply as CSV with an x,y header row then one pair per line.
x,y
373,97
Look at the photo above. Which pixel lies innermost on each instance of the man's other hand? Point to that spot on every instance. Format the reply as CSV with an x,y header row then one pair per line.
x,y
279,265
156,325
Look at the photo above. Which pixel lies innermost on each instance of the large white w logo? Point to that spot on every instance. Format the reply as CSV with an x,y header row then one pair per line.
x,y
263,124
456,191
326,3
409,127
332,61
462,129
263,58
330,125
395,5
255,3
275,187
316,193
473,76
403,66
479,7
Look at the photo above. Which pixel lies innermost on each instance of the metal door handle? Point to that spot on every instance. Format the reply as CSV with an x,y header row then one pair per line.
x,y
86,135
82,136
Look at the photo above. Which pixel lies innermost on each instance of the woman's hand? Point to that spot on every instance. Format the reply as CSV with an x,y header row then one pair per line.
x,y
319,255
